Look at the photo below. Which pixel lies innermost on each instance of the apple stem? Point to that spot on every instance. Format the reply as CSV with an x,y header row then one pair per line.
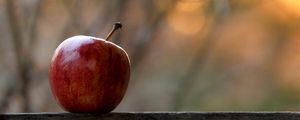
x,y
116,26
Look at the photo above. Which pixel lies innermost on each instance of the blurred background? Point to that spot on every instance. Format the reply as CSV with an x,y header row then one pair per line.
x,y
186,55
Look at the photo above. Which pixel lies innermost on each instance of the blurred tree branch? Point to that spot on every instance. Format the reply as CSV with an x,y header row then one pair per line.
x,y
14,26
14,22
100,20
32,24
112,12
147,32
74,21
22,52
198,62
10,91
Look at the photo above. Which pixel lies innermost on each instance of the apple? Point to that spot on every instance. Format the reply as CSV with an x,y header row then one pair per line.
x,y
89,74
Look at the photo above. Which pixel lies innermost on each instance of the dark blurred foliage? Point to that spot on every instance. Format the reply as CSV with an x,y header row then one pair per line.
x,y
198,55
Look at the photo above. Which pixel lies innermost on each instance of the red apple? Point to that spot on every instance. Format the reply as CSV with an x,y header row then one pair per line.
x,y
89,74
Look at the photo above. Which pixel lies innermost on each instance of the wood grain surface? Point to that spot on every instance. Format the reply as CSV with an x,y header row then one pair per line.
x,y
155,116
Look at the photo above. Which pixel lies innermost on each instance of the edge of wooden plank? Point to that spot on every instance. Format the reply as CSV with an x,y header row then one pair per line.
x,y
280,115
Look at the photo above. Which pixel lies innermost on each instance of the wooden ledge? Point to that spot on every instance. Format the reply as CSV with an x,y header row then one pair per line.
x,y
155,116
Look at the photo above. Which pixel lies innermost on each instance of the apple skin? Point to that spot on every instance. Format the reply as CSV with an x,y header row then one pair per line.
x,y
89,75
